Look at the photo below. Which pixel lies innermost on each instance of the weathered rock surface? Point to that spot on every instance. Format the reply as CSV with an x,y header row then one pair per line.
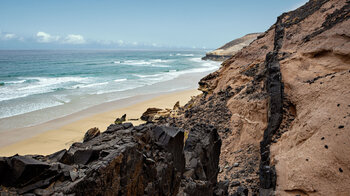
x,y
202,152
281,106
231,48
123,160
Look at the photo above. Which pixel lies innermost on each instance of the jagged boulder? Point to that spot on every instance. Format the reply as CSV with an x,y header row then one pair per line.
x,y
202,152
21,170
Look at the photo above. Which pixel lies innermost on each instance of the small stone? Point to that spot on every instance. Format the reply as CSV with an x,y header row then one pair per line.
x,y
322,138
235,164
119,121
338,105
73,175
307,159
235,183
341,126
326,146
341,170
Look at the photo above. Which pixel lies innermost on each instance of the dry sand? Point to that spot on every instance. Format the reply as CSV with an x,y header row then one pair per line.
x,y
55,135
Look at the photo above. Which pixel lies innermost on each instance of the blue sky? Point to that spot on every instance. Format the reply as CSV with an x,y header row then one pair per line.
x,y
56,24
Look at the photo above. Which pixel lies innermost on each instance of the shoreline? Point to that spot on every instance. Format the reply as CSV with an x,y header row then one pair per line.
x,y
54,135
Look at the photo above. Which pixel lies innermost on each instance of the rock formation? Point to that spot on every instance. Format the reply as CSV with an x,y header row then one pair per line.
x,y
231,48
281,106
123,160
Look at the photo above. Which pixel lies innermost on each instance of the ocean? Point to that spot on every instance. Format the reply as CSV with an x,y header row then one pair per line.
x,y
58,82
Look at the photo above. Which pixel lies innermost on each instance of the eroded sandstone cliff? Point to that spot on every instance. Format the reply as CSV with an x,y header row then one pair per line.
x,y
281,106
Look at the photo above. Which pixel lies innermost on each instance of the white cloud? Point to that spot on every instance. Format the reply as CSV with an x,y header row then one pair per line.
x,y
9,36
74,39
43,37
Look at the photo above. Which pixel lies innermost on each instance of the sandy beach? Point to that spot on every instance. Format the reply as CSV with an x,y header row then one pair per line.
x,y
60,133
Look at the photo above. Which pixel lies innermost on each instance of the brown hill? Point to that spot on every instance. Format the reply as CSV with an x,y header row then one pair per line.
x,y
231,48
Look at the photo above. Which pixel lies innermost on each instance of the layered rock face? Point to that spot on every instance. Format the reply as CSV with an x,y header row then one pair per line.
x,y
123,160
231,48
281,106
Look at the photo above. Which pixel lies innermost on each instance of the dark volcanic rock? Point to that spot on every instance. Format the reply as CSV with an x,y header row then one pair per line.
x,y
85,156
20,170
129,161
126,160
171,138
202,152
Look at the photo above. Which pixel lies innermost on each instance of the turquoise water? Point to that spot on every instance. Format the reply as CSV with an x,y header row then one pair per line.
x,y
36,80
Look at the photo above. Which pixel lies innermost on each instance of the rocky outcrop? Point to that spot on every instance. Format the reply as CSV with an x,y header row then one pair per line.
x,y
281,106
231,48
123,160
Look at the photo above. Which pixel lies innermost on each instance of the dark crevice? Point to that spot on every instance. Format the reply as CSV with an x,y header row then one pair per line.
x,y
274,88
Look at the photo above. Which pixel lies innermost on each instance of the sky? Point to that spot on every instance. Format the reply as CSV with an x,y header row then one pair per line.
x,y
114,24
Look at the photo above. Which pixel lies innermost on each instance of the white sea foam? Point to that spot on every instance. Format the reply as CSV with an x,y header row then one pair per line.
x,y
38,85
120,80
89,85
171,74
151,62
180,54
15,82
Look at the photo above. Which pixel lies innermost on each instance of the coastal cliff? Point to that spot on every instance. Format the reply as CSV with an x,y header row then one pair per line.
x,y
230,48
281,106
273,120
